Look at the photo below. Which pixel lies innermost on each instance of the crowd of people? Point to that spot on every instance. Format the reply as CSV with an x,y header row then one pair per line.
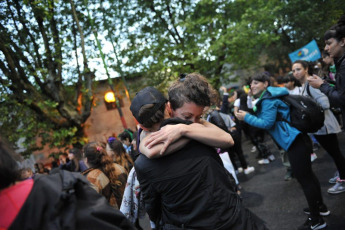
x,y
181,165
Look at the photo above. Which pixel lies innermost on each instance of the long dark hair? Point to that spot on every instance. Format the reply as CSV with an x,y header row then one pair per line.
x,y
9,172
120,155
77,157
98,158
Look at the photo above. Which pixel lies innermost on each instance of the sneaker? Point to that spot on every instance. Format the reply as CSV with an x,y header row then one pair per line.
x,y
316,146
323,210
253,149
240,170
249,170
288,175
271,157
264,161
334,179
311,224
313,157
339,187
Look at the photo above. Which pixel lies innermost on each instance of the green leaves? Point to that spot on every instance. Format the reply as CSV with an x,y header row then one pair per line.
x,y
46,50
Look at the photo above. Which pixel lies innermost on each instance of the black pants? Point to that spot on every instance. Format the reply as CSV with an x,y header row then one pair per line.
x,y
258,137
237,149
299,156
330,143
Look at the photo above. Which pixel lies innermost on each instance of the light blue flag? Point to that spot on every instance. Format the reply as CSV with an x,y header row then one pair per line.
x,y
309,52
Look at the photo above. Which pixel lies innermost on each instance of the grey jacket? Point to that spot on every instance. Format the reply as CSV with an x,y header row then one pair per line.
x,y
331,124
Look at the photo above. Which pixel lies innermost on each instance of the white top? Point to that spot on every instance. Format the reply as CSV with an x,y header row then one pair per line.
x,y
295,91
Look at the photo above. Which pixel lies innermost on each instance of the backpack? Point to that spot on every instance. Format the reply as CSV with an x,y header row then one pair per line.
x,y
65,200
305,113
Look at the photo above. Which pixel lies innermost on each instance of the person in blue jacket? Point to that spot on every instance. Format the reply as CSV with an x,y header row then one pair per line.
x,y
296,144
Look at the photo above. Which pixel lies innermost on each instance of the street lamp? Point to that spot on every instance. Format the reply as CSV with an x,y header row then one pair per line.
x,y
112,103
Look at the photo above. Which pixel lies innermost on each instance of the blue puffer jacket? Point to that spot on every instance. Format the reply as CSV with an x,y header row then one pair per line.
x,y
267,108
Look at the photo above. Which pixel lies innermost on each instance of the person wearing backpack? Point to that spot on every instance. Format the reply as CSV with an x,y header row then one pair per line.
x,y
327,135
296,143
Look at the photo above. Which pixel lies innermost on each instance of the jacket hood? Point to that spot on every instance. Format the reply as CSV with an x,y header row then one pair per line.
x,y
277,91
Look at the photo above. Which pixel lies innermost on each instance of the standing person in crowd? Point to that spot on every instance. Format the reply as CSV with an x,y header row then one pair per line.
x,y
225,123
118,153
327,135
257,136
26,173
235,132
75,163
294,87
40,169
327,71
292,84
290,139
180,189
335,46
126,138
135,152
106,177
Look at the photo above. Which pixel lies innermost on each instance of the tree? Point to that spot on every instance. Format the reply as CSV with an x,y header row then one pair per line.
x,y
46,47
164,38
45,91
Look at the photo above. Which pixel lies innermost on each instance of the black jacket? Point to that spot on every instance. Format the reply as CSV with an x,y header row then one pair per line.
x,y
336,95
190,189
65,200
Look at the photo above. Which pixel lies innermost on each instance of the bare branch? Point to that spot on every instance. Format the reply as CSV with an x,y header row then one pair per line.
x,y
57,43
159,15
81,36
36,57
172,22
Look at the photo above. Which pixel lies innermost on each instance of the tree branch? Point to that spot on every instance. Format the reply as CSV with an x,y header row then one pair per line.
x,y
173,24
57,43
152,7
74,12
36,57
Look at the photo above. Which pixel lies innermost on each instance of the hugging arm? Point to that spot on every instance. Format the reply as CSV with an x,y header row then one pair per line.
x,y
157,150
205,132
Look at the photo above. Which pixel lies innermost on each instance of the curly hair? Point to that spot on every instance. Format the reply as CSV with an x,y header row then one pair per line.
x,y
194,88
120,155
98,158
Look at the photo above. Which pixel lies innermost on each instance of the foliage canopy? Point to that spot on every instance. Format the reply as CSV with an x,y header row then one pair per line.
x,y
48,46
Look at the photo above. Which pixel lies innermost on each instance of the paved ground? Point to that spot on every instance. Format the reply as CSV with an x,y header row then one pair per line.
x,y
280,203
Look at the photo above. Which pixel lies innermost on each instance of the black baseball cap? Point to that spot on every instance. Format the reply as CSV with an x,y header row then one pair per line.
x,y
148,95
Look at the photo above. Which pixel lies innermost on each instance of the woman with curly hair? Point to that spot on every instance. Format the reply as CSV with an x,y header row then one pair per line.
x,y
106,177
118,153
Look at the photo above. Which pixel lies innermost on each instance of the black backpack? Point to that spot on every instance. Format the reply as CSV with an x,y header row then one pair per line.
x,y
65,200
305,113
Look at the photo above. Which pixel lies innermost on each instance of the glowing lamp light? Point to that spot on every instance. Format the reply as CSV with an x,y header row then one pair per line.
x,y
109,97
